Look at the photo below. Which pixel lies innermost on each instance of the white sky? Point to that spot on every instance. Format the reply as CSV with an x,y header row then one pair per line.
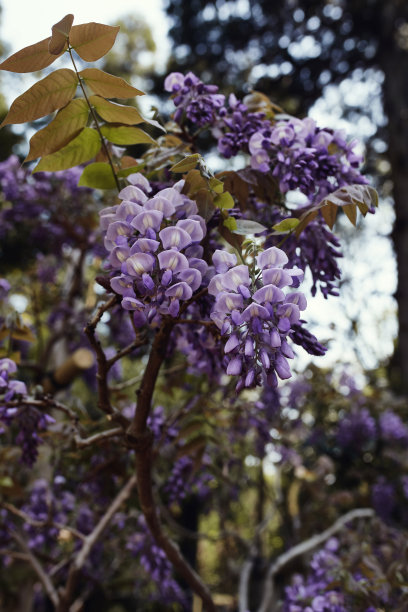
x,y
24,22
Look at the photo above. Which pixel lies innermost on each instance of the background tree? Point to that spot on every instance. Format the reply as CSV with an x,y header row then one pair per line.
x,y
291,49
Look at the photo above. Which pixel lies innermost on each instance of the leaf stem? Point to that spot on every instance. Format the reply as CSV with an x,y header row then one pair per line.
x,y
98,129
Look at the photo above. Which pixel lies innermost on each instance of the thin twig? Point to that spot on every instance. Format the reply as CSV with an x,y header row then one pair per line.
x,y
90,329
37,567
40,524
95,118
90,542
125,351
305,547
99,437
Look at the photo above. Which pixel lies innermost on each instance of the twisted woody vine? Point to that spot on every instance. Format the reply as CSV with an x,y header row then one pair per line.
x,y
165,306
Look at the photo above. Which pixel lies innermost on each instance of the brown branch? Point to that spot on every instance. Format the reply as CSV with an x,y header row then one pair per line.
x,y
40,524
37,567
305,547
125,351
90,329
141,440
89,542
99,437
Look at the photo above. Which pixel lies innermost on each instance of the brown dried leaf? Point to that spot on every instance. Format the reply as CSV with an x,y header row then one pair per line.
x,y
116,113
31,58
67,124
60,33
93,40
107,85
46,96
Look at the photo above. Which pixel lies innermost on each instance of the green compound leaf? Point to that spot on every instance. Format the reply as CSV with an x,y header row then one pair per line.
x,y
46,96
126,135
285,226
186,164
98,175
81,149
246,226
68,122
224,201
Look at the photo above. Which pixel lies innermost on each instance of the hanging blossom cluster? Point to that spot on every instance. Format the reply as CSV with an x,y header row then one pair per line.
x,y
154,249
298,153
29,420
256,315
198,101
302,156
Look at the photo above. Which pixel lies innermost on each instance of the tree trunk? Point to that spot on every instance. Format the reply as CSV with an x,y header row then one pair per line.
x,y
394,63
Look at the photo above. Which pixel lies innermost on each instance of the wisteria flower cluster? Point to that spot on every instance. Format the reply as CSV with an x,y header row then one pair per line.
x,y
154,246
256,314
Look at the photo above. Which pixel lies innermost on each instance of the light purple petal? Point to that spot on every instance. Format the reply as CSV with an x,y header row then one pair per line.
x,y
174,237
172,260
147,219
271,257
139,263
269,293
161,203
133,193
193,228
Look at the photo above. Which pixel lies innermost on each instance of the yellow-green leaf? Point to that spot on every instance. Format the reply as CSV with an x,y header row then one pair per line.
x,y
230,223
92,40
46,96
224,200
116,113
287,225
126,135
60,33
107,85
98,175
216,185
186,164
67,124
31,58
81,149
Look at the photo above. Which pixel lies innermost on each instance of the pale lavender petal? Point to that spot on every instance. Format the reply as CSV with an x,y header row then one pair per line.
x,y
223,261
255,310
174,238
232,342
123,285
127,210
226,302
118,255
276,276
217,284
147,219
239,275
193,228
290,311
133,193
161,203
192,277
297,298
145,245
181,291
139,263
271,257
172,260
118,228
269,293
234,367
138,180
